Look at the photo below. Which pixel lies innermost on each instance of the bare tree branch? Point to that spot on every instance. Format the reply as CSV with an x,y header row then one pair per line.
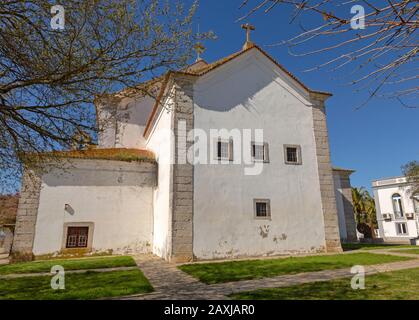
x,y
379,54
50,78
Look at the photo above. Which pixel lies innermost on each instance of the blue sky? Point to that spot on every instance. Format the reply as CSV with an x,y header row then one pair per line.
x,y
374,140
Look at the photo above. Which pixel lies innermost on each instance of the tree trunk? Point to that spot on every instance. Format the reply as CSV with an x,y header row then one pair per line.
x,y
371,225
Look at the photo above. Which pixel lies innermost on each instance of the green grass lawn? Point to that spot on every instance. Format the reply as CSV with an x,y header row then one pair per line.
x,y
373,246
397,285
255,269
68,264
410,251
89,285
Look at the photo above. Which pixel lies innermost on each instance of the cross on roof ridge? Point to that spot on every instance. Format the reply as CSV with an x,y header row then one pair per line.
x,y
199,49
248,27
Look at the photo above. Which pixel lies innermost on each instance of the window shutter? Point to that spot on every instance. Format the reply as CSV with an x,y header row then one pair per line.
x,y
230,150
299,159
266,152
215,149
268,207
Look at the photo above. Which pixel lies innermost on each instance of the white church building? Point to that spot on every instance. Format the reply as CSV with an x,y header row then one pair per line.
x,y
397,209
230,160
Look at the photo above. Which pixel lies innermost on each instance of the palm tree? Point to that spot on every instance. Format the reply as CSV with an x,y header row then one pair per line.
x,y
364,208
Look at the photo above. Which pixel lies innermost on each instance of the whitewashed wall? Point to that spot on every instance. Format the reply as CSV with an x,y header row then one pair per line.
x,y
122,125
116,196
161,143
249,94
383,197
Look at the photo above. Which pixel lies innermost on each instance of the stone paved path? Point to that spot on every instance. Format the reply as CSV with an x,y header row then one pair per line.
x,y
173,284
170,283
392,253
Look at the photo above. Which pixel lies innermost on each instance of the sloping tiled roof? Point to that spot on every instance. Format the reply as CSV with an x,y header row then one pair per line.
x,y
210,66
342,169
118,154
218,63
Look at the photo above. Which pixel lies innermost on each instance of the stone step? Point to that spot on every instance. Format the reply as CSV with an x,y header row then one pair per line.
x,y
4,256
2,250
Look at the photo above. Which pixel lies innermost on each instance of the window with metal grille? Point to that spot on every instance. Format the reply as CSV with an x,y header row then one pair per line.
x,y
260,152
262,208
401,228
292,154
77,237
224,149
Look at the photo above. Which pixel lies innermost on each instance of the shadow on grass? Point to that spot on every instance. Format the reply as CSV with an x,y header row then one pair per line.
x,y
397,285
373,246
211,273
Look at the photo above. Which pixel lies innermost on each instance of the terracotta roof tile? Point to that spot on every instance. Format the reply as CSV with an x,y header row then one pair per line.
x,y
216,64
342,169
118,154
207,68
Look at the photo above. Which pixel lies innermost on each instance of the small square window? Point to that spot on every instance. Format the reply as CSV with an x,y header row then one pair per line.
x,y
401,228
292,154
260,152
224,149
262,208
77,237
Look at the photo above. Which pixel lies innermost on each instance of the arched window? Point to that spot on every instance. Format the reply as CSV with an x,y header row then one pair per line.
x,y
397,205
416,202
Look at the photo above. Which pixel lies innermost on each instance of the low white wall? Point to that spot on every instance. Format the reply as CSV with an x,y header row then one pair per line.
x,y
116,196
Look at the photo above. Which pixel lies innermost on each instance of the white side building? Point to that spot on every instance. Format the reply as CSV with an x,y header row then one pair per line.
x,y
397,209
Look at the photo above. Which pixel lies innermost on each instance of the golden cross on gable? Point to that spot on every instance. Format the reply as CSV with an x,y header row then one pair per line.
x,y
199,49
248,27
